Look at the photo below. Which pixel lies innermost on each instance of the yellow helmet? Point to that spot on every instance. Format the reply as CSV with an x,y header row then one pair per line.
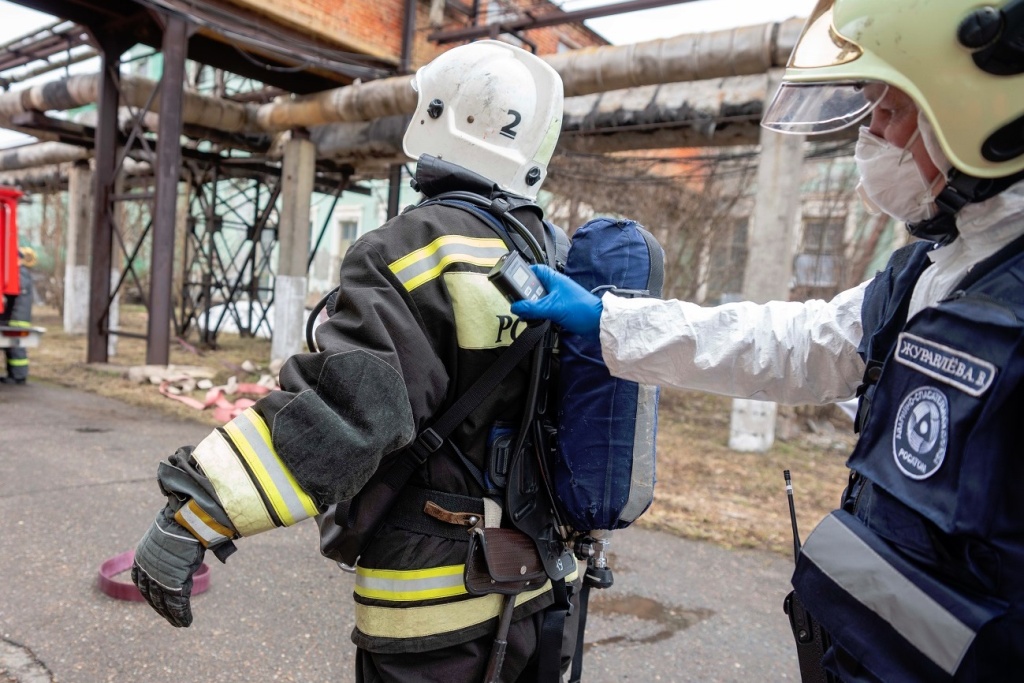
x,y
961,62
27,257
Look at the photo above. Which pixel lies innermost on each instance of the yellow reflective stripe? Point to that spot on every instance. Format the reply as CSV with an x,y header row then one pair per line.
x,y
18,323
406,585
428,620
427,263
299,502
17,362
204,527
250,435
235,489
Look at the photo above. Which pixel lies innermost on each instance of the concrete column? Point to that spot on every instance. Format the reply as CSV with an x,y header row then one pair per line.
x,y
769,259
79,241
297,170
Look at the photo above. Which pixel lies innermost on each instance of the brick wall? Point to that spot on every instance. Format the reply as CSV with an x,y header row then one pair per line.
x,y
374,27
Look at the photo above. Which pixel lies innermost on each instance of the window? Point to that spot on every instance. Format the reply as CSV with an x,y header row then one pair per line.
x,y
349,230
819,262
823,235
728,260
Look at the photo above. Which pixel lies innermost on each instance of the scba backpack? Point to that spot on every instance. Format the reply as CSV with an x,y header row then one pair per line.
x,y
604,469
603,466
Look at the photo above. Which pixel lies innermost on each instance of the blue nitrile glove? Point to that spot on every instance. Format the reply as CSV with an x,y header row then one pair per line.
x,y
566,304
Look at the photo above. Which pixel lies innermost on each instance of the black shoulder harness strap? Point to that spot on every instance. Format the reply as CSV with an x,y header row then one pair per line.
x,y
430,439
496,213
359,518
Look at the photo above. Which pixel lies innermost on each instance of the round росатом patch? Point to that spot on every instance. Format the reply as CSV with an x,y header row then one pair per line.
x,y
921,432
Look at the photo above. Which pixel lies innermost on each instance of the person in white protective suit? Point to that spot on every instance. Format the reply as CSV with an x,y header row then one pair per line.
x,y
933,345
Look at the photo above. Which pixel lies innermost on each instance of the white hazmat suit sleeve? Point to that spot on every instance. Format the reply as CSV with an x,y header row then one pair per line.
x,y
783,351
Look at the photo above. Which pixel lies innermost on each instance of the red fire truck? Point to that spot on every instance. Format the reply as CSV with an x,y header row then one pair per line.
x,y
10,280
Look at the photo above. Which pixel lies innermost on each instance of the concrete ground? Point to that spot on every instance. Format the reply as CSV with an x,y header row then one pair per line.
x,y
77,487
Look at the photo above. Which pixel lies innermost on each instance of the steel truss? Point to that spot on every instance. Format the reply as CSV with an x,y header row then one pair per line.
x,y
230,247
230,240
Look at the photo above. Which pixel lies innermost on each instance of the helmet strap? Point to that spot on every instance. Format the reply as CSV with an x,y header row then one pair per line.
x,y
960,190
435,176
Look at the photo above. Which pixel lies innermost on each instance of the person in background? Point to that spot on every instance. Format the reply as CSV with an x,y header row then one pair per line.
x,y
18,313
917,577
415,324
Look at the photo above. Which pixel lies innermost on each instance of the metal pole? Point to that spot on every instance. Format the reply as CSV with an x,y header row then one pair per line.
x,y
168,174
103,225
408,36
394,190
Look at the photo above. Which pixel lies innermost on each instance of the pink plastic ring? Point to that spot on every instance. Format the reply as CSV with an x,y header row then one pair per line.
x,y
126,590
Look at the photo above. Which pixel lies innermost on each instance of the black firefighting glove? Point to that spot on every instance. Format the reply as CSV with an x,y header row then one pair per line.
x,y
169,554
165,560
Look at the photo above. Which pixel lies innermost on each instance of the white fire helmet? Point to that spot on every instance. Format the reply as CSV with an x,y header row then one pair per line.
x,y
492,108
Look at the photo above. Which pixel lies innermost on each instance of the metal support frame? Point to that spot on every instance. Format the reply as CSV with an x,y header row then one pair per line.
x,y
555,18
168,174
230,239
106,173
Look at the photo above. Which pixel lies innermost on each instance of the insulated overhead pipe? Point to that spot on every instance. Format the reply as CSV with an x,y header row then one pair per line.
x,y
740,51
41,154
694,57
358,102
76,91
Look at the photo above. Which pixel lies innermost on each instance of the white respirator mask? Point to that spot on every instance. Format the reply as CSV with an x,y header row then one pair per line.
x,y
890,180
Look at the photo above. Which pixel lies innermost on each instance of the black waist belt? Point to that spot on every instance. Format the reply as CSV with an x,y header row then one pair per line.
x,y
408,512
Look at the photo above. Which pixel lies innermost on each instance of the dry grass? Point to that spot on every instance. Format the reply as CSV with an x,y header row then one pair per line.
x,y
61,360
705,491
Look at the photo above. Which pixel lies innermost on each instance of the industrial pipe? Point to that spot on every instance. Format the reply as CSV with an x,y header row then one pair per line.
x,y
707,113
41,154
360,102
740,51
82,89
697,57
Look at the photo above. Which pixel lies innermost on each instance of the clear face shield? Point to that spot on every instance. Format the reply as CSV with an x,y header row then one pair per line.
x,y
816,108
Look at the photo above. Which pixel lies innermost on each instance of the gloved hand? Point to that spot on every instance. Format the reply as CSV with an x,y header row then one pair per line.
x,y
567,304
165,560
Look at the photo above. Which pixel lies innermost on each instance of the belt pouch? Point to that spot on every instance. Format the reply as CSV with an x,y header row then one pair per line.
x,y
503,561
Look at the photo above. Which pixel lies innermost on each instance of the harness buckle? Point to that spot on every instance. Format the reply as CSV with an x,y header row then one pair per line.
x,y
430,440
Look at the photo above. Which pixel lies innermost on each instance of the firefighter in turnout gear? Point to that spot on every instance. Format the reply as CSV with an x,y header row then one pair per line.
x,y
917,576
18,313
414,325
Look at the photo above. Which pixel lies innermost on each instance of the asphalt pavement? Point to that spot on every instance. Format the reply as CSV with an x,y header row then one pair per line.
x,y
77,487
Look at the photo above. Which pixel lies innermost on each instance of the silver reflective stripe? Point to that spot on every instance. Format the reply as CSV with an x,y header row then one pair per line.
x,y
866,576
196,520
641,486
273,478
410,584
